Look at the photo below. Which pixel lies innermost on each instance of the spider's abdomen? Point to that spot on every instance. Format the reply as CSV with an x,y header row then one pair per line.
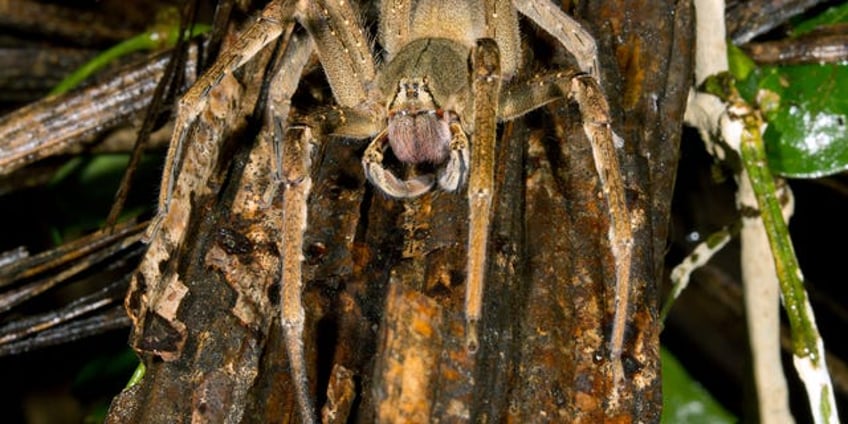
x,y
420,136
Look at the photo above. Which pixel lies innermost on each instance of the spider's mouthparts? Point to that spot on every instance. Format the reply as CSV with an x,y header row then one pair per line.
x,y
421,136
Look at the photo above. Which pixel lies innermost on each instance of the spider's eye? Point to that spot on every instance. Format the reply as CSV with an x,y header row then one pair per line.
x,y
412,90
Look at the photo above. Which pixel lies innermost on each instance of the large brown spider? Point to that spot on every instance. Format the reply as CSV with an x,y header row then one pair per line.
x,y
441,82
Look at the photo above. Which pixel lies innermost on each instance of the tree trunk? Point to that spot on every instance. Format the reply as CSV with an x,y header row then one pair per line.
x,y
384,279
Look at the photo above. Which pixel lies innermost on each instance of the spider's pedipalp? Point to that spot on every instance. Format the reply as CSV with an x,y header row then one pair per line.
x,y
455,171
385,180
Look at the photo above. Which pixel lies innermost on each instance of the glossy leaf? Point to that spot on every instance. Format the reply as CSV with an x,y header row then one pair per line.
x,y
807,110
686,401
739,64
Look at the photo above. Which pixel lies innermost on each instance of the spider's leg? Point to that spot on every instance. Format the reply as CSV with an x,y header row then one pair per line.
x,y
486,85
520,98
292,156
566,30
453,173
266,29
395,24
297,181
343,48
502,26
372,162
283,85
345,55
594,110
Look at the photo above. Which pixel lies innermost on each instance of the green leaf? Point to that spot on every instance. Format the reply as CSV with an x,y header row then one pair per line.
x,y
834,15
745,73
686,401
807,110
739,63
163,34
106,367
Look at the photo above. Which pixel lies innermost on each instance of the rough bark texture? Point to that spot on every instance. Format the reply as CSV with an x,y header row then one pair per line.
x,y
384,278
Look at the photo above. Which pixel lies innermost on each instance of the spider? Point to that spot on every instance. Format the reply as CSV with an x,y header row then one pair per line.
x,y
447,74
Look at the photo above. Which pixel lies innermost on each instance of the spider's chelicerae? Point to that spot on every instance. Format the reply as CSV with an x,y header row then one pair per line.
x,y
445,81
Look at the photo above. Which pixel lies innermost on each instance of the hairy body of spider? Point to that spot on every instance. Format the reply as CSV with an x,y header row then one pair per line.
x,y
423,103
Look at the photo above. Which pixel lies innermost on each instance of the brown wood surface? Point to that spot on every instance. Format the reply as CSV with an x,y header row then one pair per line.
x,y
384,278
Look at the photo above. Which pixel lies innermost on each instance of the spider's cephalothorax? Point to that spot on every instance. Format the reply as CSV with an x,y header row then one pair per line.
x,y
441,82
428,88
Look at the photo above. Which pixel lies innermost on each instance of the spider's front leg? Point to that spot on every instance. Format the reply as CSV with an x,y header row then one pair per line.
x,y
486,91
346,58
585,89
344,52
566,30
518,99
192,157
594,110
